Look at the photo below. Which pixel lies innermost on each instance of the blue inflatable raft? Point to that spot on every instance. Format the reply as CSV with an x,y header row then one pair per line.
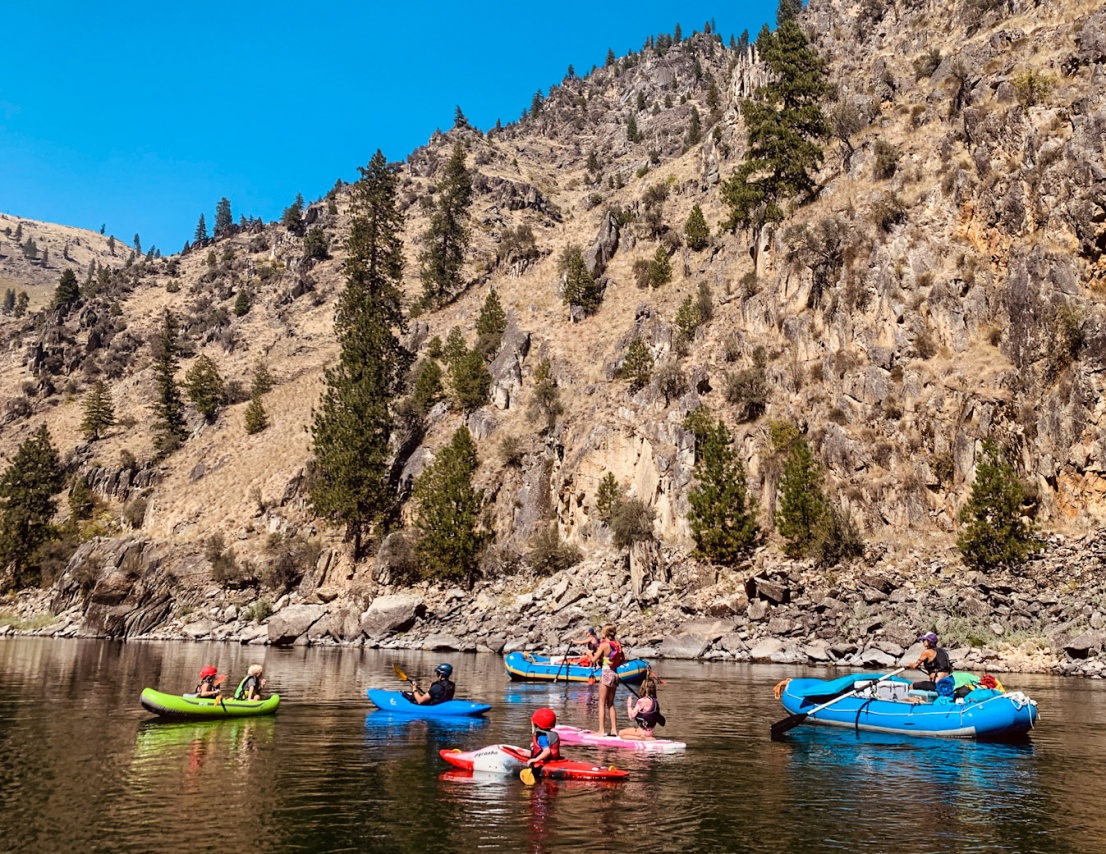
x,y
890,706
526,666
394,701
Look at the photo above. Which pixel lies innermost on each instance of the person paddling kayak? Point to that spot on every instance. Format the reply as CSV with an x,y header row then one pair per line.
x,y
545,744
440,692
207,686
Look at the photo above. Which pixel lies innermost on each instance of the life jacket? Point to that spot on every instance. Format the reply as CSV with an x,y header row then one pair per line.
x,y
242,690
617,657
552,741
938,664
651,718
207,684
441,691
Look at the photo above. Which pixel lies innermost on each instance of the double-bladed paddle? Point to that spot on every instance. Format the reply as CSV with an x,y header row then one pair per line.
x,y
789,723
527,776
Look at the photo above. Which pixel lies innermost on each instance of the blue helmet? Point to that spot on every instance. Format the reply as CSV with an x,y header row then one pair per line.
x,y
445,670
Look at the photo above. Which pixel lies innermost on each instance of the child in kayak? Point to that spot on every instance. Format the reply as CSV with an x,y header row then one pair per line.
x,y
607,656
645,713
208,679
440,691
250,688
545,744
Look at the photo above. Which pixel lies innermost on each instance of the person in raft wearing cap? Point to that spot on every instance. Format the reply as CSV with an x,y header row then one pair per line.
x,y
589,640
250,688
934,661
208,687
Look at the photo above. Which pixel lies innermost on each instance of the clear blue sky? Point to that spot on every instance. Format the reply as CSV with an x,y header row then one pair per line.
x,y
142,115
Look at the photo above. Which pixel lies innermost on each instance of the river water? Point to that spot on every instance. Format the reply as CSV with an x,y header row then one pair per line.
x,y
84,767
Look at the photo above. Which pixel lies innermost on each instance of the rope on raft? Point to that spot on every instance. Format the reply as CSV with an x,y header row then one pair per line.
x,y
777,692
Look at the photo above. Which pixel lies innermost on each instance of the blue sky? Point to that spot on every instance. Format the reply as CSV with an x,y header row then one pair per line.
x,y
141,116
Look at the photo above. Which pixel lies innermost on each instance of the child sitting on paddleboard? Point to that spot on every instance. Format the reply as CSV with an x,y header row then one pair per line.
x,y
645,713
209,677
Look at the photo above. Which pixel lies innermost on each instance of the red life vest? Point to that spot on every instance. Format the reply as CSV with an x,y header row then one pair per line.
x,y
551,739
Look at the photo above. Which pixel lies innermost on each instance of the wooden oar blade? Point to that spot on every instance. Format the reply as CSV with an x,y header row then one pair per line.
x,y
787,724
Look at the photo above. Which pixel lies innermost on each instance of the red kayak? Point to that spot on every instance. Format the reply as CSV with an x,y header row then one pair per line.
x,y
508,759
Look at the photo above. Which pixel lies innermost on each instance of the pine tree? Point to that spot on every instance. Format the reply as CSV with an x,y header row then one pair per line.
x,y
137,244
694,129
743,43
21,303
82,502
995,532
292,217
9,301
99,411
608,496
27,490
471,380
787,10
224,219
581,289
783,123
677,35
201,231
242,303
660,269
800,502
459,120
447,238
637,367
205,388
536,103
256,417
262,379
632,132
427,389
169,426
315,244
696,230
491,325
353,426
546,399
723,515
610,57
455,346
450,542
68,290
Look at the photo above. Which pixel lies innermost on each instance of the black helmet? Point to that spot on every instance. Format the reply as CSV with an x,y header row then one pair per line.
x,y
445,670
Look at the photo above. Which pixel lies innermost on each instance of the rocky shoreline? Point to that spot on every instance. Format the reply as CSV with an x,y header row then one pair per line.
x,y
1049,617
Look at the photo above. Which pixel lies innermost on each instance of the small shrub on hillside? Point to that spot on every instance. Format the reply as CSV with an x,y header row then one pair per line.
x,y
631,522
1031,87
315,244
888,211
927,63
512,451
134,511
747,389
550,554
885,160
260,610
637,367
546,399
836,538
290,558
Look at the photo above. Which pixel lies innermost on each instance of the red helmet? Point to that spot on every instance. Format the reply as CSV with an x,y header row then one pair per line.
x,y
208,671
544,719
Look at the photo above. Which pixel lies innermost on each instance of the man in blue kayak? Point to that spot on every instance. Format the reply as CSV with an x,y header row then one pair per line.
x,y
440,692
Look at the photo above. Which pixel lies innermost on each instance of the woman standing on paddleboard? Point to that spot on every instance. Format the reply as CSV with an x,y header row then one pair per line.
x,y
607,656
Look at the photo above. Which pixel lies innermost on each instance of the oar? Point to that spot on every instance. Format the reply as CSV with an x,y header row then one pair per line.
x,y
527,776
564,659
789,723
399,672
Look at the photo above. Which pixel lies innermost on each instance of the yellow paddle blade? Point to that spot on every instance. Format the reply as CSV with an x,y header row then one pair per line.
x,y
399,672
527,776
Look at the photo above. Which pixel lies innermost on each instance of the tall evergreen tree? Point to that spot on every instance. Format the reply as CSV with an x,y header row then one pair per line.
x,y
206,388
99,411
201,231
491,324
27,504
447,238
637,367
800,502
610,58
353,426
994,531
8,306
580,286
743,43
292,218
608,495
723,515
632,132
68,290
450,542
137,244
257,419
169,426
696,230
224,219
21,303
784,123
694,129
471,380
787,10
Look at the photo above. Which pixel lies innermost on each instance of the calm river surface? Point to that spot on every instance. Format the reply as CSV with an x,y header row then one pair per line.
x,y
84,767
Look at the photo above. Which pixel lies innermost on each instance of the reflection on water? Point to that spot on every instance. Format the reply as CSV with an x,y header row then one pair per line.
x,y
82,766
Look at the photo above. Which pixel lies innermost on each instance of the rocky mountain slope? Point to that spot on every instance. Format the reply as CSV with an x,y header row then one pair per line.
x,y
944,286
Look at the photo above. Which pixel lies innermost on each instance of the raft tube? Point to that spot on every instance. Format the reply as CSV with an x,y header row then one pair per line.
x,y
528,666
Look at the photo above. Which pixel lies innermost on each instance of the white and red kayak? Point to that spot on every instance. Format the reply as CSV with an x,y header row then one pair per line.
x,y
590,738
508,759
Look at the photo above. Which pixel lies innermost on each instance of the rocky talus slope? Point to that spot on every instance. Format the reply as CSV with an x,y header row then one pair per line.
x,y
960,298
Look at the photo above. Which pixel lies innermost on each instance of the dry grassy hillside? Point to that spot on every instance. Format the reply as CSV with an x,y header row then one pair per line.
x,y
967,244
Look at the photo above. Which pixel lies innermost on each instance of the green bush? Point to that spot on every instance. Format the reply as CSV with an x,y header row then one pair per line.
x,y
550,554
994,531
631,522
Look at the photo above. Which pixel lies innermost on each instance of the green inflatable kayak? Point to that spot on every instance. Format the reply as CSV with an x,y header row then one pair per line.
x,y
201,708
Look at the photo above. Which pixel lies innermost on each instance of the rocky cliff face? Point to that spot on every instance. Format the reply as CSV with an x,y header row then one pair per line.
x,y
943,287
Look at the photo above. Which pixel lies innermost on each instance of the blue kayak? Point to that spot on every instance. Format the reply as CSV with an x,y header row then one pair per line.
x,y
528,666
394,701
890,706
